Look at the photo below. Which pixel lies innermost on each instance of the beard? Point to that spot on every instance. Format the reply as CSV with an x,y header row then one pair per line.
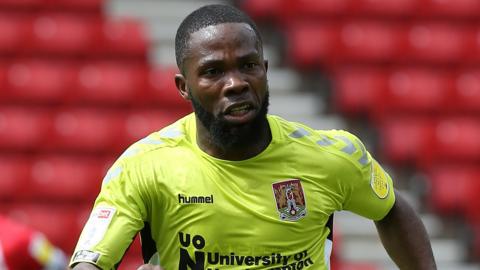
x,y
226,135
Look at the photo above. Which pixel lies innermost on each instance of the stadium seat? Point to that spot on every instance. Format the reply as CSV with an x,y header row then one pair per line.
x,y
87,130
15,32
140,123
23,128
452,8
161,89
61,224
458,139
454,190
388,9
407,140
64,35
370,41
357,90
437,43
312,44
58,5
109,83
474,55
467,91
122,38
13,176
413,90
294,9
90,6
38,82
56,178
263,10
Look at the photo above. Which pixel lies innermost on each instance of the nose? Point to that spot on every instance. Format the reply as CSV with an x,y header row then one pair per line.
x,y
235,83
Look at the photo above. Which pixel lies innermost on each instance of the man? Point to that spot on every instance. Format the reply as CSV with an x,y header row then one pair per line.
x,y
210,191
22,247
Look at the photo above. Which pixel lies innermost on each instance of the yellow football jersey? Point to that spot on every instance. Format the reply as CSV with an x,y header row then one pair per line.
x,y
272,211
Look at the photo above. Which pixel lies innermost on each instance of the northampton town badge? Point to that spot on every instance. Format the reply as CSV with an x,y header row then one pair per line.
x,y
290,199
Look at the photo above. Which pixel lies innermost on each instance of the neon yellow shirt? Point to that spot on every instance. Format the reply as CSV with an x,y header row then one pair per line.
x,y
266,212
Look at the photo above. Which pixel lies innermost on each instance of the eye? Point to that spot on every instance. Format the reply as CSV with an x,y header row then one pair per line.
x,y
250,65
212,72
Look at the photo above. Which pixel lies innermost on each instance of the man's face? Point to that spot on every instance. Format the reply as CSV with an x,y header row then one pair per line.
x,y
225,78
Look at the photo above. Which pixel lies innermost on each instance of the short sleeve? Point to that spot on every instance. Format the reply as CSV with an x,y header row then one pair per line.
x,y
369,187
118,214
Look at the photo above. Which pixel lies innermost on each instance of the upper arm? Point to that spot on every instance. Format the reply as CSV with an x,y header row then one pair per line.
x,y
118,215
368,189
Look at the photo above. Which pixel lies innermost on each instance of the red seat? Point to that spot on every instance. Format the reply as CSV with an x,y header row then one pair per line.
x,y
60,223
454,190
62,5
162,90
110,82
407,140
14,33
295,9
93,6
467,91
20,4
474,55
65,178
312,44
266,9
386,8
370,41
90,130
458,138
123,38
452,8
139,124
23,129
437,43
65,35
13,176
413,90
38,81
357,90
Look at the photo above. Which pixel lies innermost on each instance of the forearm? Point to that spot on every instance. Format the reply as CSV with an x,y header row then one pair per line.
x,y
404,237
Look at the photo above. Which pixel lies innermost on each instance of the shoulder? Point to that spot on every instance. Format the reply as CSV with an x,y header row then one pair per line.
x,y
160,145
338,146
345,145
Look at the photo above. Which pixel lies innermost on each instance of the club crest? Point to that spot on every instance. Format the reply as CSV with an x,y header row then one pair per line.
x,y
290,199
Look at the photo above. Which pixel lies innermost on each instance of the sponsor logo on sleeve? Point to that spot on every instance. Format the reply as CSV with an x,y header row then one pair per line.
x,y
96,227
86,256
379,181
290,199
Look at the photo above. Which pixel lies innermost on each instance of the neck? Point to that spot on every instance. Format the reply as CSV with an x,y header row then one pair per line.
x,y
260,139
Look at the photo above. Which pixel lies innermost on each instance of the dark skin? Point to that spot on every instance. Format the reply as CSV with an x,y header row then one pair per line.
x,y
226,73
404,237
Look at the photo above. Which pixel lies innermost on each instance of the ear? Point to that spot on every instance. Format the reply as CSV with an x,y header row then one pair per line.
x,y
182,88
265,63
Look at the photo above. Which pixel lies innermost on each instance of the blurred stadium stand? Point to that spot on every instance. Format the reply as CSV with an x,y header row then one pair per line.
x,y
81,80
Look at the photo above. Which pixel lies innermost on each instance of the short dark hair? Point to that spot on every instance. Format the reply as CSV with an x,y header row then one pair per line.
x,y
203,17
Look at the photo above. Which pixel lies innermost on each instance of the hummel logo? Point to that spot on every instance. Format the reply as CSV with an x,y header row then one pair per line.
x,y
182,199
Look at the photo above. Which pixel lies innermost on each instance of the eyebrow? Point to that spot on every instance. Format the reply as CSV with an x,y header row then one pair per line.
x,y
213,61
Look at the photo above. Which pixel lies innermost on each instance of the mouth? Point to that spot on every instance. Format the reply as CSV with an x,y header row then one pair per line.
x,y
240,112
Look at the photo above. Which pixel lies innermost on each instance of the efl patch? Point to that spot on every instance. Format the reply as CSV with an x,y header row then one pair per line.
x,y
86,256
379,181
96,227
290,199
